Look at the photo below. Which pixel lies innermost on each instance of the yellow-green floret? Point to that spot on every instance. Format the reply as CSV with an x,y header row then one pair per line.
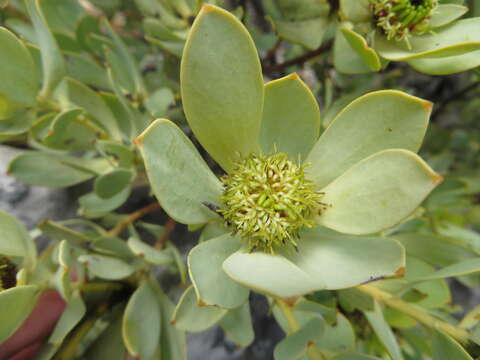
x,y
400,18
267,200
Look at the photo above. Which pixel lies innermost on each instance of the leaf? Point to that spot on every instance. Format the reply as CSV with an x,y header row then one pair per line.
x,y
383,331
459,269
296,344
159,102
447,65
338,338
53,66
71,316
85,70
189,316
322,262
142,323
379,120
222,86
82,96
432,249
212,286
179,176
149,253
14,238
291,117
69,131
107,267
16,304
445,14
237,324
172,340
456,39
307,32
128,66
377,192
345,58
444,347
45,169
113,182
109,344
360,45
19,85
93,206
59,232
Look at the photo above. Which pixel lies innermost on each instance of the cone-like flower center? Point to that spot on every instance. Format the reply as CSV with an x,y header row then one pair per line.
x,y
8,272
400,18
268,200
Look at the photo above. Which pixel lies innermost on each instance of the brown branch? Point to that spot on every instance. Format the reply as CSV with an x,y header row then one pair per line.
x,y
169,227
299,60
122,225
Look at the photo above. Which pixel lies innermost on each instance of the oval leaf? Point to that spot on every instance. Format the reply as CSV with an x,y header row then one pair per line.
x,y
322,262
16,304
380,120
378,192
142,323
212,285
179,177
222,85
291,117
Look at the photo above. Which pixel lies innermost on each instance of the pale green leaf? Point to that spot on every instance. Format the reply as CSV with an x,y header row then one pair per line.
x,y
380,120
322,262
377,192
53,65
180,178
142,322
291,118
71,316
445,14
444,347
383,331
113,182
212,285
339,337
222,86
93,206
107,267
14,238
189,316
149,253
361,47
82,96
447,65
16,304
172,340
237,324
20,84
296,344
50,170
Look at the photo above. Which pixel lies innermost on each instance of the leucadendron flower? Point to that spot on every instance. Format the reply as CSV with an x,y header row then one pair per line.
x,y
425,33
287,216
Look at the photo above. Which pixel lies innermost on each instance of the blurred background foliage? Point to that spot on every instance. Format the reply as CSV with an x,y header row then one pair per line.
x,y
95,73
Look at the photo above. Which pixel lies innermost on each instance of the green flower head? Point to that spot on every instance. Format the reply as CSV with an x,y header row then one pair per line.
x,y
285,185
268,200
399,18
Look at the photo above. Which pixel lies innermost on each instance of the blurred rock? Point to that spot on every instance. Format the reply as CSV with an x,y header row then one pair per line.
x,y
31,203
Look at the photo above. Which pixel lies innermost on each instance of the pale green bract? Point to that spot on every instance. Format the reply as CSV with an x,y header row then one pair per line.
x,y
364,164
